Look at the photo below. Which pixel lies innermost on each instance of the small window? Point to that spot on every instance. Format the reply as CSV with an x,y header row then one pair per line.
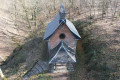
x,y
62,36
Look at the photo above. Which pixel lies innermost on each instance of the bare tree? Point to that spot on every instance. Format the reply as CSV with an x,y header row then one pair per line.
x,y
114,6
104,6
35,13
26,13
54,6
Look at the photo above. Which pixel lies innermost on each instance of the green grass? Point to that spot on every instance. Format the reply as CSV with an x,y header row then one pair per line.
x,y
44,77
41,77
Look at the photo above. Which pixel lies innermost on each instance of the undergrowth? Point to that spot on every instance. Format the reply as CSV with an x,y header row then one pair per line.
x,y
25,55
41,77
94,52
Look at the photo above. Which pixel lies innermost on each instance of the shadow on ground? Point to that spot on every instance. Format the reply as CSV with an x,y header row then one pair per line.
x,y
24,56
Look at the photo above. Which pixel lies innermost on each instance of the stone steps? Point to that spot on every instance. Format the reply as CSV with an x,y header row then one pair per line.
x,y
39,67
60,68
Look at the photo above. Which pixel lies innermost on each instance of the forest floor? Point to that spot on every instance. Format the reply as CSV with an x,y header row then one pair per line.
x,y
5,41
10,35
105,31
101,38
101,46
95,33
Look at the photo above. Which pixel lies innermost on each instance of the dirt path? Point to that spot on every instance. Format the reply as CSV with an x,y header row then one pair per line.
x,y
59,76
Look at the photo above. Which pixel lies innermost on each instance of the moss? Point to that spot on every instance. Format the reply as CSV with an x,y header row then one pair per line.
x,y
44,77
41,77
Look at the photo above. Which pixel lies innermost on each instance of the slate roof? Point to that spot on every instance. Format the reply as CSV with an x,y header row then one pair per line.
x,y
62,54
54,24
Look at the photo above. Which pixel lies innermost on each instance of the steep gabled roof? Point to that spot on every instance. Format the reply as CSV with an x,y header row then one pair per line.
x,y
54,24
62,54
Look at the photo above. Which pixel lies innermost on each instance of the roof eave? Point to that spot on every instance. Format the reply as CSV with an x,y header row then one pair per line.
x,y
76,36
47,38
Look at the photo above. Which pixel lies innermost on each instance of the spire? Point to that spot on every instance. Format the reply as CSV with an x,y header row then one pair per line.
x,y
62,9
62,13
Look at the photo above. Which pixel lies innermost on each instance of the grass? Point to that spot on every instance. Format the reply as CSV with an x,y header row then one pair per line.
x,y
25,55
44,77
41,77
96,52
79,71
